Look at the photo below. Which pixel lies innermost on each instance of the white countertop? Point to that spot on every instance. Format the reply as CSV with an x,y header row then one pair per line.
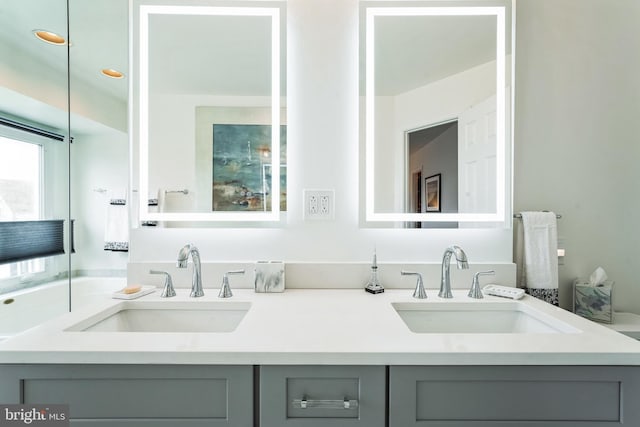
x,y
339,327
626,323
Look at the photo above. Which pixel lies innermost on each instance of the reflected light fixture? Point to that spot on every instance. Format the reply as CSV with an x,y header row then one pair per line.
x,y
49,37
110,72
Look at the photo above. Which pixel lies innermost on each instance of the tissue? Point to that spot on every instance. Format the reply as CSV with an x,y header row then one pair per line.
x,y
598,277
592,299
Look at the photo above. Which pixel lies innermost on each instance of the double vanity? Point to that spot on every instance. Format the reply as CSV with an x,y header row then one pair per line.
x,y
322,353
325,357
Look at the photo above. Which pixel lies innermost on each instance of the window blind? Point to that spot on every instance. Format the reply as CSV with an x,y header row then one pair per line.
x,y
23,240
4,121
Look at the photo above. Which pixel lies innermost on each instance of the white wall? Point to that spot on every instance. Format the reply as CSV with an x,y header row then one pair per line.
x,y
324,152
436,102
180,145
577,127
98,161
389,150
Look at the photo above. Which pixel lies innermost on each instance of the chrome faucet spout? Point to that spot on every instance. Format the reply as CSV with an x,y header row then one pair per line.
x,y
462,263
196,279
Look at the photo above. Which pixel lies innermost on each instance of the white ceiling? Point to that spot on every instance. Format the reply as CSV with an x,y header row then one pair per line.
x,y
99,39
219,55
413,51
98,31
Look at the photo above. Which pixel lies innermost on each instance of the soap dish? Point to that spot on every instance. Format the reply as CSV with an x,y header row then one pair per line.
x,y
145,290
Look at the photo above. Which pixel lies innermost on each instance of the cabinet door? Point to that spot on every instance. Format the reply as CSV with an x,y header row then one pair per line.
x,y
322,396
540,396
115,395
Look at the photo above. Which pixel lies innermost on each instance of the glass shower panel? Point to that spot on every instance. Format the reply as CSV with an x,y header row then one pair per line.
x,y
34,180
99,82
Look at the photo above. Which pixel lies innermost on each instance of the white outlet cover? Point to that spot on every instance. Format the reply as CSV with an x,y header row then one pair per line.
x,y
319,204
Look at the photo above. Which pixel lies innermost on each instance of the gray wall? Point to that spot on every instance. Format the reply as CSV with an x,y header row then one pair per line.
x,y
576,135
439,154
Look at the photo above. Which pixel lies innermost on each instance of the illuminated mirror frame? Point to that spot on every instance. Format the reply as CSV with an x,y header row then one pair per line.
x,y
145,12
501,175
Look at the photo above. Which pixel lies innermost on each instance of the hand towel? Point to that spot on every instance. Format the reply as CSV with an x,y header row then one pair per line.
x,y
537,255
116,233
152,204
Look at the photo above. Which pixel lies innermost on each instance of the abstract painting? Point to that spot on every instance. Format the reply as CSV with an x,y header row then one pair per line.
x,y
242,167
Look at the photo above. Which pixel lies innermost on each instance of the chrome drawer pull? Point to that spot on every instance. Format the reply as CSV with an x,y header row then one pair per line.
x,y
305,403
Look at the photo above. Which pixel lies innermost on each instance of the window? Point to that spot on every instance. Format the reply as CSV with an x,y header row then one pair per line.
x,y
20,195
20,180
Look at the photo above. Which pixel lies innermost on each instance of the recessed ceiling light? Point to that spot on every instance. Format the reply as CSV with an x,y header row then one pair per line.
x,y
49,37
110,72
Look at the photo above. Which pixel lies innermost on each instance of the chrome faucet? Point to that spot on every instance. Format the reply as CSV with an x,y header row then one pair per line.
x,y
183,258
168,290
445,280
475,291
419,292
225,289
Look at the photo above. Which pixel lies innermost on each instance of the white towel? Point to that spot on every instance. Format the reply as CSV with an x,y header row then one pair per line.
x,y
153,206
116,231
538,256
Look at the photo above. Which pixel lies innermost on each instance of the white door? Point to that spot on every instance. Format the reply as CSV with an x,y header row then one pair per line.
x,y
477,159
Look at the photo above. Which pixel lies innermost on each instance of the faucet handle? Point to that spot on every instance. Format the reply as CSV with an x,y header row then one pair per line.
x,y
419,292
235,272
168,290
225,289
475,291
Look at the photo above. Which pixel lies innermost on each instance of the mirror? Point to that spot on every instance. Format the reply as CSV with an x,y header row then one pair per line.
x,y
210,113
34,160
437,114
99,96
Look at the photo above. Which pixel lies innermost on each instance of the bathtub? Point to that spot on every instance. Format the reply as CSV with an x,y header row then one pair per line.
x,y
23,309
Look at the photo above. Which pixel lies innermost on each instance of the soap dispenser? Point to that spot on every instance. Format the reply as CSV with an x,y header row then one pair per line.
x,y
373,285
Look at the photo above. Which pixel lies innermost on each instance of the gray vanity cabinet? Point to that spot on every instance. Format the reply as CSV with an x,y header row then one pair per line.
x,y
141,395
512,396
322,396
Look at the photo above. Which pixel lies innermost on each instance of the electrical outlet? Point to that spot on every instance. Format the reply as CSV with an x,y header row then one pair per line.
x,y
313,204
325,205
318,204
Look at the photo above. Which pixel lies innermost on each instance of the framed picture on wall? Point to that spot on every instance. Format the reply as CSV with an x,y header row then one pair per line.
x,y
432,193
242,167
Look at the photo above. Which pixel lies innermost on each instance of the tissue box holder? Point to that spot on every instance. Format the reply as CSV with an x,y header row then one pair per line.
x,y
593,302
269,276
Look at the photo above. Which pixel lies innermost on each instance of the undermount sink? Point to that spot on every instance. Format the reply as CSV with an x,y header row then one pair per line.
x,y
166,316
478,318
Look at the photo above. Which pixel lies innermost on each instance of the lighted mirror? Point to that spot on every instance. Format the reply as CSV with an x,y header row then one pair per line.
x,y
210,113
437,86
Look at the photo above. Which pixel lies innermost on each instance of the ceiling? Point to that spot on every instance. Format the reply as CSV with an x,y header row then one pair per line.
x,y
419,138
413,51
35,73
220,55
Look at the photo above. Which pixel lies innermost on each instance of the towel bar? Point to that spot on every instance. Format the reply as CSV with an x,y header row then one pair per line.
x,y
185,191
558,216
